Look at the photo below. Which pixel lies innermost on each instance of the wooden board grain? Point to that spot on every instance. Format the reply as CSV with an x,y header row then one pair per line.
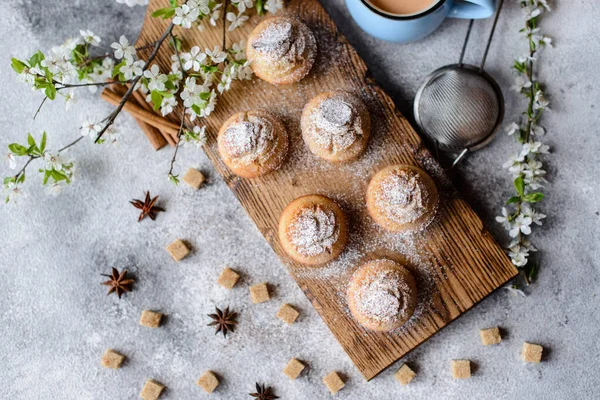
x,y
456,262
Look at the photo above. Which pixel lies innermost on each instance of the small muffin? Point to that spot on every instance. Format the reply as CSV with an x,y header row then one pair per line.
x,y
382,295
253,143
336,126
402,198
281,50
313,230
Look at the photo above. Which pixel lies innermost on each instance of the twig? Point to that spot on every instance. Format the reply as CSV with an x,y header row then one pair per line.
x,y
225,24
112,116
183,75
40,107
31,158
107,83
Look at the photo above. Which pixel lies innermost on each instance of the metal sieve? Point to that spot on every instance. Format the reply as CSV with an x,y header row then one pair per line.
x,y
460,107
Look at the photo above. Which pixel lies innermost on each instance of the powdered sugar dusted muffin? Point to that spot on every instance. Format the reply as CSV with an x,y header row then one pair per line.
x,y
253,143
382,295
281,50
336,126
313,230
402,198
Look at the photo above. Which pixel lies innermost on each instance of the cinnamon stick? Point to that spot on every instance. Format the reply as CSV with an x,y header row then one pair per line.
x,y
142,102
157,140
138,112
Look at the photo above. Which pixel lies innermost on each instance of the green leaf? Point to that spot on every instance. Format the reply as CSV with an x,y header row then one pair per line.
x,y
260,7
18,65
532,272
157,99
9,179
50,91
21,178
514,199
17,149
36,58
30,140
520,186
116,69
534,197
164,13
173,3
43,143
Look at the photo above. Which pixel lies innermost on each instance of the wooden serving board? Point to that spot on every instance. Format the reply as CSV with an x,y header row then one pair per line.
x,y
455,261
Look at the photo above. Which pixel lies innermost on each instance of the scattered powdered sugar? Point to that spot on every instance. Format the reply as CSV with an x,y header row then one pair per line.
x,y
383,297
336,124
250,141
402,196
314,231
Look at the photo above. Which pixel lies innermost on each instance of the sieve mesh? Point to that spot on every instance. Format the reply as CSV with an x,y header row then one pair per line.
x,y
459,107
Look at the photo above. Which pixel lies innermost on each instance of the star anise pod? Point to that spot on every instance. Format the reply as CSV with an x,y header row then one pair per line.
x,y
117,282
147,206
263,393
223,321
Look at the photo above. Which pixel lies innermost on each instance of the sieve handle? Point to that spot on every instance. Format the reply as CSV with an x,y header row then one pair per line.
x,y
472,9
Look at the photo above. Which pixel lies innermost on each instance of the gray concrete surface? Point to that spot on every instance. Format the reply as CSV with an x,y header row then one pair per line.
x,y
55,320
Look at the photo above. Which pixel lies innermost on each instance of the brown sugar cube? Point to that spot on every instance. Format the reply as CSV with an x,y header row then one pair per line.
x,y
208,381
333,382
152,390
178,250
490,336
287,314
150,319
293,368
259,293
404,375
461,369
228,278
194,178
532,353
112,359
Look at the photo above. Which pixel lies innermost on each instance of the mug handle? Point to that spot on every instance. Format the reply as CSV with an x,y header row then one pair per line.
x,y
473,9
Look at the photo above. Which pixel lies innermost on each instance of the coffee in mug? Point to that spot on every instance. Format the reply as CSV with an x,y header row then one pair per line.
x,y
403,7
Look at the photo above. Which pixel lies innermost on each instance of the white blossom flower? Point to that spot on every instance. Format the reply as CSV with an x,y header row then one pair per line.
x,y
244,71
514,164
185,16
226,79
56,60
89,37
196,137
53,161
504,219
534,148
545,41
11,159
533,168
239,50
123,49
531,213
523,242
156,79
236,20
243,5
131,69
14,191
29,74
518,255
217,56
512,128
520,224
54,189
194,59
521,82
215,15
203,6
544,3
540,102
70,99
273,6
111,136
210,105
537,130
167,105
90,128
531,12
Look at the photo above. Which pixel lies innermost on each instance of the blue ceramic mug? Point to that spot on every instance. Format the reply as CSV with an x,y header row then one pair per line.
x,y
406,28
